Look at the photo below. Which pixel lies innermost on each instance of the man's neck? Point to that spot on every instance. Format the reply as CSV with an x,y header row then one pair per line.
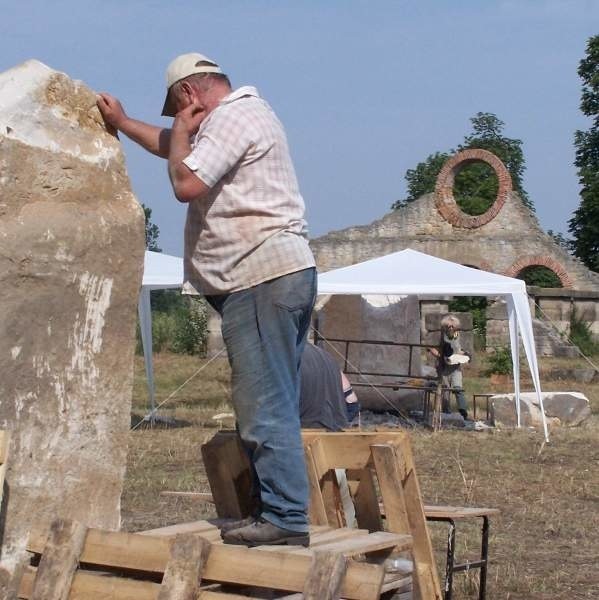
x,y
214,95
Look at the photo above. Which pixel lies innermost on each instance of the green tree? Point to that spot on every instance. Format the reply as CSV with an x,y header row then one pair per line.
x,y
421,180
152,231
540,276
584,225
475,186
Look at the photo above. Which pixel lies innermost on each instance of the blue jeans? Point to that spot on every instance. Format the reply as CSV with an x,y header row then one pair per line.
x,y
264,329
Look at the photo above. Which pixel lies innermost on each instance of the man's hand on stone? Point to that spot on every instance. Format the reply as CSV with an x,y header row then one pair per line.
x,y
111,110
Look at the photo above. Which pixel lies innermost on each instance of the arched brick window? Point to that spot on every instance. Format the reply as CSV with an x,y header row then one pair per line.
x,y
543,261
444,200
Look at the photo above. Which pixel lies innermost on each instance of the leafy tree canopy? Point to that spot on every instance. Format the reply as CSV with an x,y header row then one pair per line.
x,y
152,231
584,224
475,186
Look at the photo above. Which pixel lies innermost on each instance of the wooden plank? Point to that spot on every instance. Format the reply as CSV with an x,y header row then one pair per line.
x,y
363,544
326,576
363,491
199,496
423,549
198,527
59,560
229,475
317,509
349,450
332,535
183,572
88,585
277,570
352,545
390,482
458,512
328,484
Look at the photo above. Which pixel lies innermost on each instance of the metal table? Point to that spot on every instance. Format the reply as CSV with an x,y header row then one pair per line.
x,y
451,514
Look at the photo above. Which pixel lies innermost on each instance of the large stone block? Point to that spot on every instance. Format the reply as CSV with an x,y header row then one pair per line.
x,y
71,261
561,408
380,319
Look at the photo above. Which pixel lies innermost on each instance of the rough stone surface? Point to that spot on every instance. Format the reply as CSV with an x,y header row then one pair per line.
x,y
380,318
561,408
71,260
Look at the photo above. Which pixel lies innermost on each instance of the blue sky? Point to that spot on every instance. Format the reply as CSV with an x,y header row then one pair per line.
x,y
366,89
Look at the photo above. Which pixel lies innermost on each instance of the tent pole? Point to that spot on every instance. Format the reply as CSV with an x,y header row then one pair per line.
x,y
515,350
525,323
145,325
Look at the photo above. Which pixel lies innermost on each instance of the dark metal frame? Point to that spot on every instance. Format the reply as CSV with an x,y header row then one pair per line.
x,y
451,567
348,371
486,397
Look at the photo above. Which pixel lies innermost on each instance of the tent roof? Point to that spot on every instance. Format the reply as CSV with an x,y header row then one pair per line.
x,y
162,271
412,272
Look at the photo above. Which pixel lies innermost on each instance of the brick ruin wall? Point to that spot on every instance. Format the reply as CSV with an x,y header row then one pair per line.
x,y
505,240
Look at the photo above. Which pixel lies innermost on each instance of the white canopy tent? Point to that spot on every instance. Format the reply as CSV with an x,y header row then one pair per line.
x,y
411,272
161,272
401,273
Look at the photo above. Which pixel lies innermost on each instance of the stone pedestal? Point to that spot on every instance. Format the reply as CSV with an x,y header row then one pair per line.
x,y
71,261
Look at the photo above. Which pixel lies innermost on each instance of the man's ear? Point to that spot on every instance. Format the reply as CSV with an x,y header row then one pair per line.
x,y
188,90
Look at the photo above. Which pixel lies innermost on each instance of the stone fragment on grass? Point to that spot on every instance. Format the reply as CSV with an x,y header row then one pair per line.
x,y
561,408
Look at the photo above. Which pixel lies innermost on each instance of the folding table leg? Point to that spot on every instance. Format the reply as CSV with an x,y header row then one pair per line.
x,y
450,560
484,554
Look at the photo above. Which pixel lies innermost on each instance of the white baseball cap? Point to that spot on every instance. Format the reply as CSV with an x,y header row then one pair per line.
x,y
181,67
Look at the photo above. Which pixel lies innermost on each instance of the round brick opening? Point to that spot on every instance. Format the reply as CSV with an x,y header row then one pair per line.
x,y
445,201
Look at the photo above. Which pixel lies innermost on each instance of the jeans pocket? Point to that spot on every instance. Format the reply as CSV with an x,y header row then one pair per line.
x,y
296,291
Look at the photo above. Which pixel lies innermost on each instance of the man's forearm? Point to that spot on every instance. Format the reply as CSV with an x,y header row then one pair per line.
x,y
186,185
154,139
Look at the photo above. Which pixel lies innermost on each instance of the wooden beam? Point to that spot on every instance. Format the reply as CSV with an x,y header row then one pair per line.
x,y
348,450
199,496
183,572
317,509
88,585
390,483
59,560
326,576
426,569
229,475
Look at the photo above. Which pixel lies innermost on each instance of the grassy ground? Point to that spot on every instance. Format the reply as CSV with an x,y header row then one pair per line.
x,y
544,545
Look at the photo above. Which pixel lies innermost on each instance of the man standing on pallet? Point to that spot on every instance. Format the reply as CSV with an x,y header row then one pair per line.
x,y
246,251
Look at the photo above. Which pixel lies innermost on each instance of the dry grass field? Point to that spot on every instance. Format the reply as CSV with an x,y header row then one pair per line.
x,y
544,545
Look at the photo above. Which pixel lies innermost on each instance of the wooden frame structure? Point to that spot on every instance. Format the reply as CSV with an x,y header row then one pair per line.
x,y
165,564
375,464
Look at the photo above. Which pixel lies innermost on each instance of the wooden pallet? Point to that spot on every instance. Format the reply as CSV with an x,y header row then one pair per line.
x,y
4,441
171,564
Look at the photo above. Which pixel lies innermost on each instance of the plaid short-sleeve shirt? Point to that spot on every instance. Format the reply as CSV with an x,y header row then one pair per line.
x,y
250,228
